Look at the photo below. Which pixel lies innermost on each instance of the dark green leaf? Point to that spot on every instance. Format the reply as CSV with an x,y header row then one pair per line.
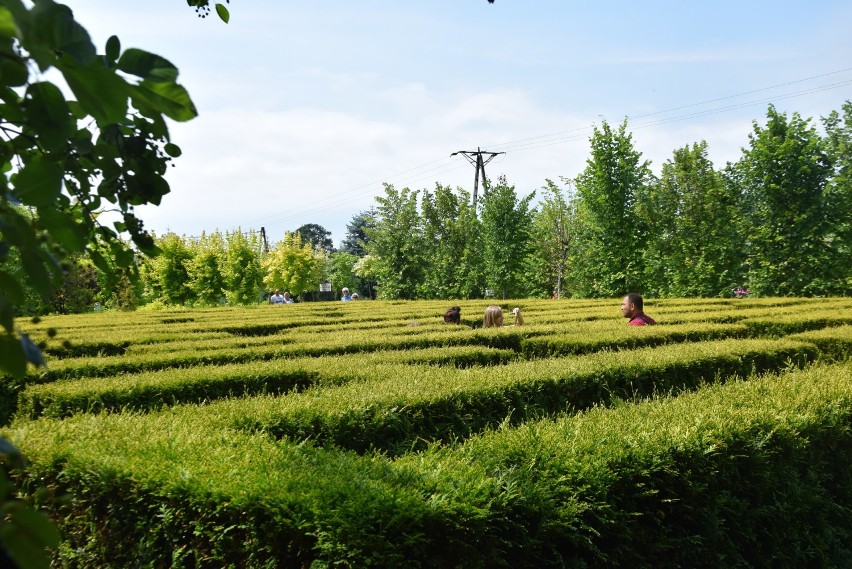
x,y
31,351
11,288
148,66
170,99
99,91
7,313
100,261
54,26
223,12
63,228
49,116
39,183
123,256
27,535
113,49
13,68
172,150
39,277
10,96
12,359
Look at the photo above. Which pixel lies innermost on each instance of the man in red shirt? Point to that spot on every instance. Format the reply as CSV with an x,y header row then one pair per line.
x,y
631,308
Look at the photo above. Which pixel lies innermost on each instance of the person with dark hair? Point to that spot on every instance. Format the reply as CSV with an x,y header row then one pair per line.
x,y
453,315
632,307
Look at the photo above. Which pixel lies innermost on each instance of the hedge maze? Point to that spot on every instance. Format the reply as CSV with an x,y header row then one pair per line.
x,y
370,434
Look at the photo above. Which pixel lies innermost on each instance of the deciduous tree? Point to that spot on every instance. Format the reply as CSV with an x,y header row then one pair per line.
x,y
241,267
838,195
610,261
692,246
552,241
396,241
506,227
317,236
784,174
293,265
451,233
67,159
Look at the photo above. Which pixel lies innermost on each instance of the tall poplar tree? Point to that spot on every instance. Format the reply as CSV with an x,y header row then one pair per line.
x,y
552,241
205,268
396,241
506,231
784,174
692,248
451,234
610,261
241,267
838,144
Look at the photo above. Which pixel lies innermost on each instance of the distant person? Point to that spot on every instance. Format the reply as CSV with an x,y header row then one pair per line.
x,y
288,298
632,309
276,297
453,315
355,296
519,319
494,317
346,296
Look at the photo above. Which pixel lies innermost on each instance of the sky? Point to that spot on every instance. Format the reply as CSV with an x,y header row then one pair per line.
x,y
307,108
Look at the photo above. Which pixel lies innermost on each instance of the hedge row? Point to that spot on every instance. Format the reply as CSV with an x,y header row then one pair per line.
x,y
400,409
742,474
153,390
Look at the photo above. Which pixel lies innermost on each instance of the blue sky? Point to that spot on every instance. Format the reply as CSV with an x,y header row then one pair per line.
x,y
306,108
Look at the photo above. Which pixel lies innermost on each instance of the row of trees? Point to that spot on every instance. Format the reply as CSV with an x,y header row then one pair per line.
x,y
777,222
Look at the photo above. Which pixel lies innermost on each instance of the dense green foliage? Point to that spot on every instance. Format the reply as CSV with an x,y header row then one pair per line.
x,y
777,222
65,160
336,433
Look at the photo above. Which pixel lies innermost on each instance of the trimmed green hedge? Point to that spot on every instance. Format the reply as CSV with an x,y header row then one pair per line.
x,y
401,409
751,473
155,389
585,340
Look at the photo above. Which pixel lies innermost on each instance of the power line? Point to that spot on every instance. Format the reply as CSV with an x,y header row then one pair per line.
x,y
443,165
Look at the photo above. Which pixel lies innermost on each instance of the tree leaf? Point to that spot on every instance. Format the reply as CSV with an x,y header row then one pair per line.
x,y
39,277
8,26
172,150
54,27
12,359
170,99
39,183
31,351
63,228
13,69
48,115
100,92
148,66
27,534
113,49
223,12
11,288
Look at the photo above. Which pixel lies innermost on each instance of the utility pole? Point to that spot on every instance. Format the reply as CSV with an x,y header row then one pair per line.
x,y
265,242
475,158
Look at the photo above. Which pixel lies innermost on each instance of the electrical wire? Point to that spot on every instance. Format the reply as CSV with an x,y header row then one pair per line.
x,y
447,164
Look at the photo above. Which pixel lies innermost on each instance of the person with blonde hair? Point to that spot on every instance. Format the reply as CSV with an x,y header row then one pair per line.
x,y
494,317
